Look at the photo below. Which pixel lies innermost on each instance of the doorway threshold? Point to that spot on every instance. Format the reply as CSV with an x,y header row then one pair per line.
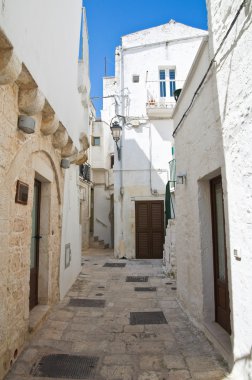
x,y
38,315
220,339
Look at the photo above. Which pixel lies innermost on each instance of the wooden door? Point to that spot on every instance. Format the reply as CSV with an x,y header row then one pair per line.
x,y
149,229
34,252
222,309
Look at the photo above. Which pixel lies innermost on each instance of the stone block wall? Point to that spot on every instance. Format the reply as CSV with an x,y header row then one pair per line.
x,y
20,154
170,265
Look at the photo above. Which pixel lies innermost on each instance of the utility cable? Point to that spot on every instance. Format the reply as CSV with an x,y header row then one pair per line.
x,y
209,67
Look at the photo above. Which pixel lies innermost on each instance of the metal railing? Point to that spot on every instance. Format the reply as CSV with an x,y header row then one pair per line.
x,y
172,167
85,172
154,98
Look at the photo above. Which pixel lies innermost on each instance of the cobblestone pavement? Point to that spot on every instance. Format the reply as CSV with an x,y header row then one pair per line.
x,y
122,351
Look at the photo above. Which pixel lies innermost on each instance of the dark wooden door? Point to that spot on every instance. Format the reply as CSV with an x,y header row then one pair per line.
x,y
222,309
34,253
149,229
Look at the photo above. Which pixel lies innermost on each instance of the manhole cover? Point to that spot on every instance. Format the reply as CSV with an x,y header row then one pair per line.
x,y
147,318
114,265
173,288
84,302
136,279
150,289
65,366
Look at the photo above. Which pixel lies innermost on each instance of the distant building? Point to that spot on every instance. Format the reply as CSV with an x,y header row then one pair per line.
x,y
150,65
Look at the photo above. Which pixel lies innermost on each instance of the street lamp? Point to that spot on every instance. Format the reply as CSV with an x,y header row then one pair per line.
x,y
116,131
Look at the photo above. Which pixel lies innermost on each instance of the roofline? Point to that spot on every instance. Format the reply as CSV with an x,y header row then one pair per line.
x,y
165,42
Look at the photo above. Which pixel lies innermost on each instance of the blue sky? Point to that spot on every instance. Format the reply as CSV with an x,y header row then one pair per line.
x,y
108,20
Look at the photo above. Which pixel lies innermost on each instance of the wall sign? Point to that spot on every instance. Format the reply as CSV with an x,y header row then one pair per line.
x,y
22,193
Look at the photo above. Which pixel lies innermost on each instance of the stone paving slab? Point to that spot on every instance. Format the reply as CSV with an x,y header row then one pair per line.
x,y
172,351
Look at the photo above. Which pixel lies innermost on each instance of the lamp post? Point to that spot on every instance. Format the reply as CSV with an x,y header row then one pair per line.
x,y
116,131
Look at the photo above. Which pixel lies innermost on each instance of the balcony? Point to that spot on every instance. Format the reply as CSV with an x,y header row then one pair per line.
x,y
160,100
159,109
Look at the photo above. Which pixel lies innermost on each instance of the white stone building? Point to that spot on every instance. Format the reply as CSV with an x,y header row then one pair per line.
x,y
43,119
212,121
150,65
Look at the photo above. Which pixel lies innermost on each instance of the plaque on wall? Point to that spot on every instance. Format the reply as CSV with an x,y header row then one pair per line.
x,y
22,193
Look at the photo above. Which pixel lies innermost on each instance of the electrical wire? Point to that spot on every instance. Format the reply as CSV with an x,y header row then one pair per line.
x,y
209,67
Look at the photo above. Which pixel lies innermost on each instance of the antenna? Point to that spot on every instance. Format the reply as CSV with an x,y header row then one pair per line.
x,y
105,66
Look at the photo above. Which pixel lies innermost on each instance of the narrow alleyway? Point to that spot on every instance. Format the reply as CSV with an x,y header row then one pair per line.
x,y
107,341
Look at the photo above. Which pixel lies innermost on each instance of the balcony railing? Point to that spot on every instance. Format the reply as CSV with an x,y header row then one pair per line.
x,y
85,172
158,105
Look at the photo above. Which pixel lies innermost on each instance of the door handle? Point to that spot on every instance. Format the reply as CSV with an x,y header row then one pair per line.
x,y
37,237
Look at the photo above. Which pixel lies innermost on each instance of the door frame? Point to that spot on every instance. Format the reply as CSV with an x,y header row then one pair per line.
x,y
213,182
38,205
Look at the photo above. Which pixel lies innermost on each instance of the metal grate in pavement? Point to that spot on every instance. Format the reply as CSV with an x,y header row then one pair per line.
x,y
114,265
136,278
147,318
65,366
85,302
147,289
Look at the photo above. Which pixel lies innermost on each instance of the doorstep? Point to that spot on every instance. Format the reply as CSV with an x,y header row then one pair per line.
x,y
221,341
38,315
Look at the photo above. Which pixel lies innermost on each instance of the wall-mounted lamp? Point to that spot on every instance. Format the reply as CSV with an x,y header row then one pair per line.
x,y
26,124
116,131
181,178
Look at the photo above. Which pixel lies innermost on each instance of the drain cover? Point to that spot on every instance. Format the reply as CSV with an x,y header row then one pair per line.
x,y
150,289
114,265
173,288
147,318
85,302
136,279
65,366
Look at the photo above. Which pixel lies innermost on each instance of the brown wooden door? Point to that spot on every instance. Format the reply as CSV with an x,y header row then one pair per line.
x,y
34,252
149,229
222,309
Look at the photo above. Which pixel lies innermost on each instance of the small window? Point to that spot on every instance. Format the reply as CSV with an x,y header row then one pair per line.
x,y
96,141
135,78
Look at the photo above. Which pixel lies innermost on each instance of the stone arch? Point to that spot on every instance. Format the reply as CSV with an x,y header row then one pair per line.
x,y
27,150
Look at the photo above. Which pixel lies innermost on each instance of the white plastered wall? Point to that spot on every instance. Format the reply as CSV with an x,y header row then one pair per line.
x,y
38,33
234,84
143,171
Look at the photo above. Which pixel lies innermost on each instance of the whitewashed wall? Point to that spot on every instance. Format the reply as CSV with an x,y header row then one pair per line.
x,y
142,173
234,84
199,154
45,36
71,231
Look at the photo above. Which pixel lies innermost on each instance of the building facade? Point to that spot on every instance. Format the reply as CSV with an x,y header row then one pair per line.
x,y
41,121
150,65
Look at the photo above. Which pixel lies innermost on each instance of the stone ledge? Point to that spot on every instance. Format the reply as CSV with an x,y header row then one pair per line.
x,y
38,315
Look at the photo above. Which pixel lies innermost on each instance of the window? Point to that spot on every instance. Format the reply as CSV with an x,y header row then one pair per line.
x,y
135,78
96,141
112,161
172,81
162,83
167,76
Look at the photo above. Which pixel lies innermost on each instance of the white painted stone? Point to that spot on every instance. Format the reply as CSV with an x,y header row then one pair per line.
x,y
146,143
